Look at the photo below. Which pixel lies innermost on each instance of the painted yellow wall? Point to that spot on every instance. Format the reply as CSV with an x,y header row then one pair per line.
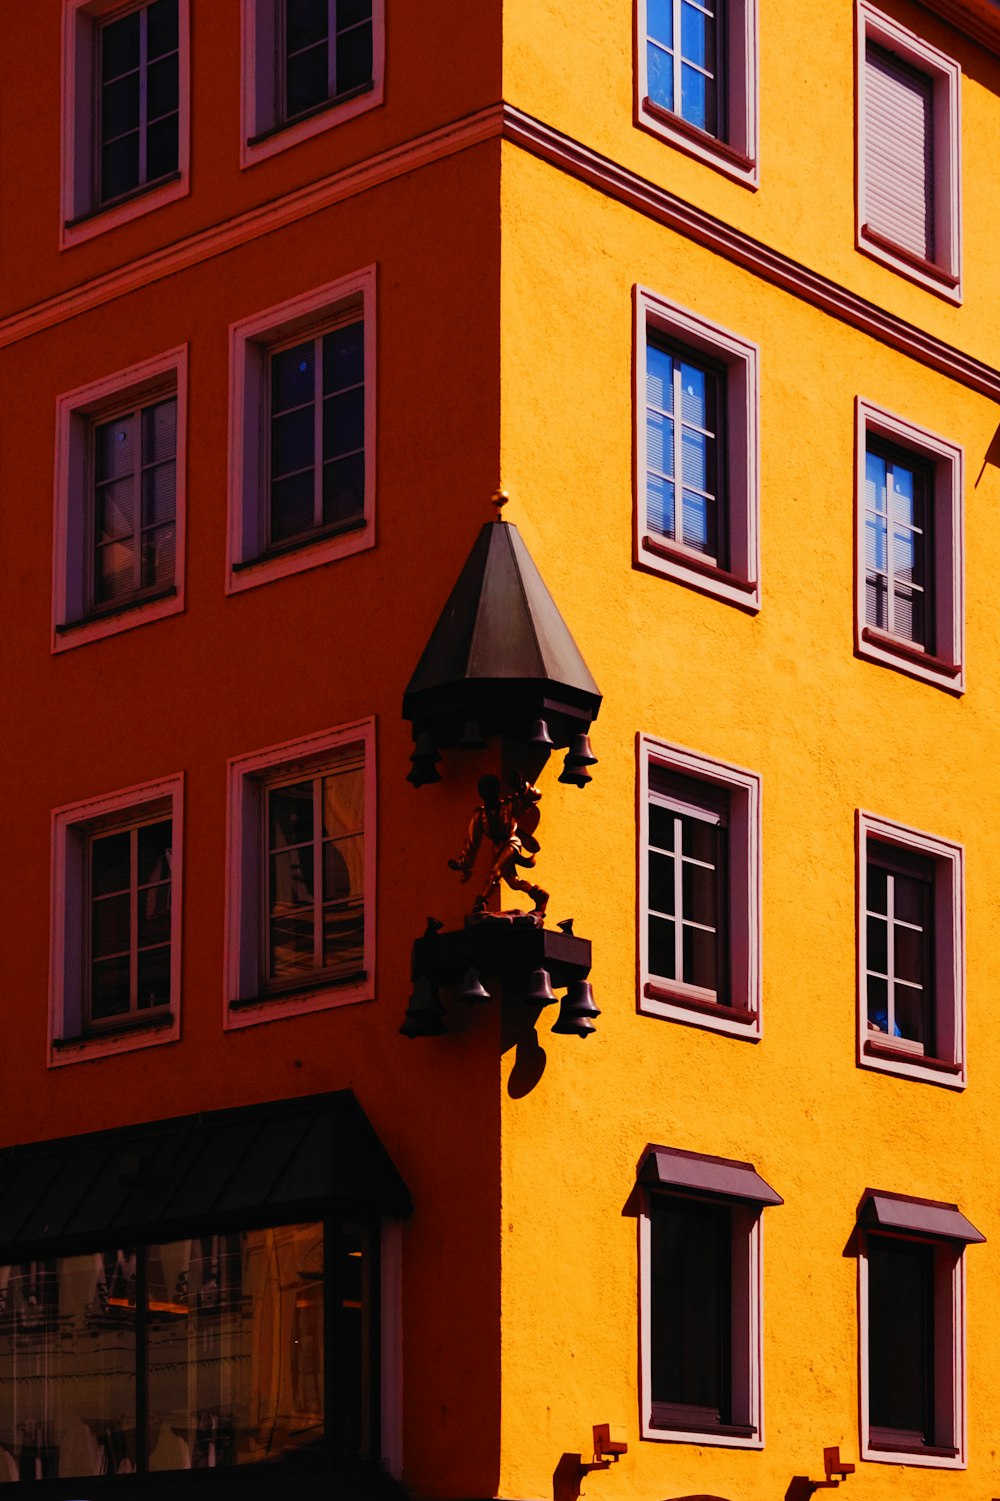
x,y
782,694
572,67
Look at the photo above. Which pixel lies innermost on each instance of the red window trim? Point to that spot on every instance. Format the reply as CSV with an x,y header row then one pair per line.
x,y
901,1055
910,650
678,996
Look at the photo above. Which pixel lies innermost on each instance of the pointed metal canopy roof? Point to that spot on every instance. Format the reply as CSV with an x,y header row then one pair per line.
x,y
501,646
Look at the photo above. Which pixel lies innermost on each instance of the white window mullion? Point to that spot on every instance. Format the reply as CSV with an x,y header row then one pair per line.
x,y
678,443
678,899
890,955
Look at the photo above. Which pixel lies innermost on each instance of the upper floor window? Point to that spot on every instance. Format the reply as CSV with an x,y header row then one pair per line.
x,y
912,1318
307,65
300,894
303,377
125,111
909,214
696,452
130,926
910,962
909,581
120,501
699,889
697,79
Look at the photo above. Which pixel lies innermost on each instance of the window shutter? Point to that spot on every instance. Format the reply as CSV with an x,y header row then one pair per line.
x,y
899,166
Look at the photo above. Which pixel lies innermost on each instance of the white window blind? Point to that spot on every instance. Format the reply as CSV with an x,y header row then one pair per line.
x,y
899,165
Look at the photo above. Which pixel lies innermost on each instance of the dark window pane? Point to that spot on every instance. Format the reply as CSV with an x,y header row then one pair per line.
x,y
909,1008
154,916
878,946
119,46
343,358
910,955
290,815
661,883
343,423
154,978
159,486
159,556
154,852
343,803
900,1336
350,12
161,148
292,440
110,929
877,602
109,988
660,506
877,888
344,489
911,899
110,864
700,888
343,868
161,28
113,518
690,1313
354,59
701,840
878,1005
662,957
162,87
292,505
307,84
120,167
343,937
305,23
700,958
291,879
114,444
661,826
159,431
291,944
293,377
115,572
120,107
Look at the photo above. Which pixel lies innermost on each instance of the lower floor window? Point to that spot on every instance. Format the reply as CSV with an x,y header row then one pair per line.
x,y
216,1351
901,1355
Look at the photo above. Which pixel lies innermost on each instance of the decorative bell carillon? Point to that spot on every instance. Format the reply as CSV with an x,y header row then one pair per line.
x,y
425,1013
425,758
577,1012
472,736
578,758
473,991
540,737
539,990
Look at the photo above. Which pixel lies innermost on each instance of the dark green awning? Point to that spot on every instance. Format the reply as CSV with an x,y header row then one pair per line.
x,y
282,1160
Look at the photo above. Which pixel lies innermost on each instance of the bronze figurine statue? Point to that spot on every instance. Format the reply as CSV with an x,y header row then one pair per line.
x,y
500,820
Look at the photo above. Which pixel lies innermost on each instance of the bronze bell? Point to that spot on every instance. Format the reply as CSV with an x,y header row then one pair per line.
x,y
425,1013
472,990
577,1012
424,758
472,736
578,758
540,736
539,990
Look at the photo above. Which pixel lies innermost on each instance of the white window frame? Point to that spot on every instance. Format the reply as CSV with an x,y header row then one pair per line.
x,y
78,413
944,274
251,341
72,828
674,1000
945,666
81,215
739,454
949,1068
737,154
949,1339
263,132
747,1355
246,1001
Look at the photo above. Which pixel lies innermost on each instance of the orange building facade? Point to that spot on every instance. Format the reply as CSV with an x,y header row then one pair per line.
x,y
289,290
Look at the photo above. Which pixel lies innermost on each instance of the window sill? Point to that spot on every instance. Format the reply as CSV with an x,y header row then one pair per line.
x,y
679,996
320,993
696,1422
915,268
124,200
127,1025
917,1449
122,617
886,1050
326,546
308,115
307,987
110,612
296,545
127,1036
691,568
698,143
131,206
693,1008
876,645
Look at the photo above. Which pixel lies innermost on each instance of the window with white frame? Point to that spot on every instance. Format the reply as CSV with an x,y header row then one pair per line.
x,y
911,1292
911,963
120,501
300,882
307,65
699,882
115,970
700,1258
909,586
697,479
303,379
909,211
697,79
125,111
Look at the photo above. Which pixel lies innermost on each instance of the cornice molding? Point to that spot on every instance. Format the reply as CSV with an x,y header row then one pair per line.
x,y
741,249
978,19
506,122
